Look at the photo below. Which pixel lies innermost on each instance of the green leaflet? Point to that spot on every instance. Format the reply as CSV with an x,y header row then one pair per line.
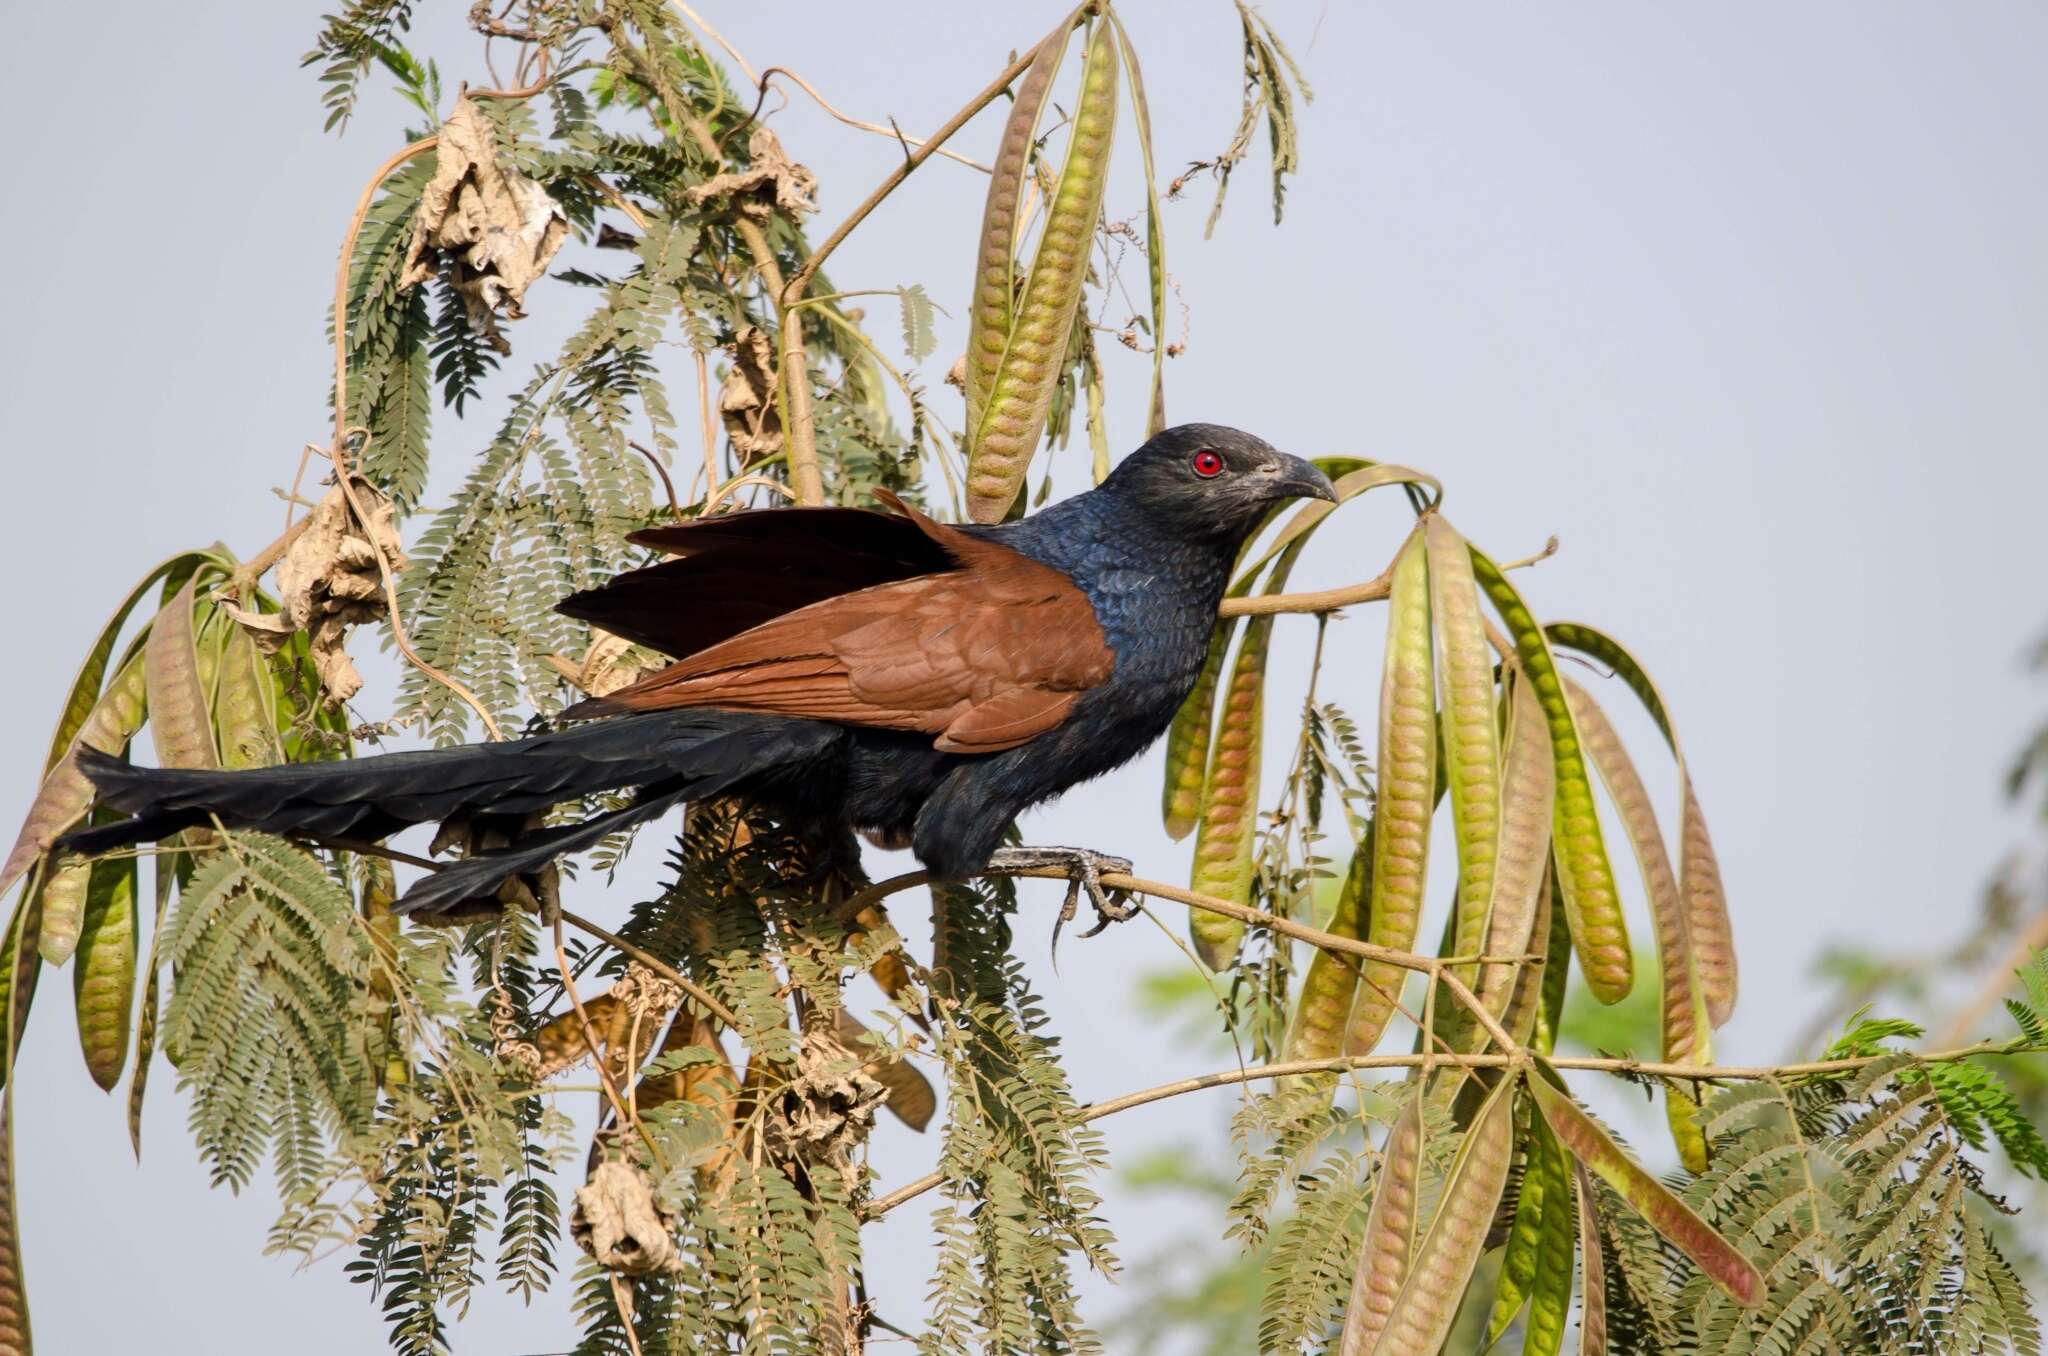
x,y
1650,1198
1020,393
1537,1266
1699,870
1230,792
1407,795
1471,735
1591,902
103,981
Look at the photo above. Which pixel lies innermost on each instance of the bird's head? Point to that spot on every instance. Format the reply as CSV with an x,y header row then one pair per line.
x,y
1205,480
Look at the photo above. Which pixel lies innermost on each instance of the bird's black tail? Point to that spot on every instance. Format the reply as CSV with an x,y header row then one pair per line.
x,y
671,756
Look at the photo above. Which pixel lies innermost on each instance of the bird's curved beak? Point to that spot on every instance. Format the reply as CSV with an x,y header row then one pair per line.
x,y
1294,478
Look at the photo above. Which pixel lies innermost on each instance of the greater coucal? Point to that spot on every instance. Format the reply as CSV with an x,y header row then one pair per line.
x,y
921,683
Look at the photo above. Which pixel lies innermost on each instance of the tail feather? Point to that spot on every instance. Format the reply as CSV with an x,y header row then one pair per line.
x,y
673,755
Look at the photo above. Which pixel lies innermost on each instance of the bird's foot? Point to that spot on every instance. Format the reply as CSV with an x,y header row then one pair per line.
x,y
1085,870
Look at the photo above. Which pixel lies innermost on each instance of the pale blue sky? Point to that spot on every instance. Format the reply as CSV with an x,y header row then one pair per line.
x,y
1745,303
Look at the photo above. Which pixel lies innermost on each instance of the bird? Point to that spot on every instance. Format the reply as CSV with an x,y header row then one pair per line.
x,y
858,670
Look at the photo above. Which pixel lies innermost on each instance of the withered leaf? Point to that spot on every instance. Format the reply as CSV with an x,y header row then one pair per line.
x,y
496,228
327,582
747,399
771,182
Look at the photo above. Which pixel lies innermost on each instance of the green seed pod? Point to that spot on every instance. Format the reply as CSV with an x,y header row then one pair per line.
x,y
179,721
1528,787
1536,1267
1650,1198
1592,1270
1407,795
66,794
1699,871
1446,1254
1389,1234
1021,391
1592,904
988,328
1471,735
1323,1006
1230,793
1187,741
1687,1036
103,982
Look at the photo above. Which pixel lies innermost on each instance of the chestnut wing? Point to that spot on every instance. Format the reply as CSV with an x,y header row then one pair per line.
x,y
982,657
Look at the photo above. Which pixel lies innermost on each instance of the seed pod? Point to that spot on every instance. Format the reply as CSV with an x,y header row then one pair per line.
x,y
177,698
1471,735
1699,871
1522,1015
20,967
1556,973
65,793
1447,1253
1389,1234
1686,1033
1667,1214
1324,1003
1407,795
988,327
1230,793
1591,902
1155,236
244,699
1528,786
1187,741
1020,392
103,982
1592,1270
14,1324
1536,1268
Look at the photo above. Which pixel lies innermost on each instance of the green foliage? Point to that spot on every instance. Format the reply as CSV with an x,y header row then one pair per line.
x,y
398,1081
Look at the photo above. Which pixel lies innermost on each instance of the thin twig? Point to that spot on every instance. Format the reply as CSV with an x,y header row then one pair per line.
x,y
1999,980
656,964
604,1074
709,424
811,265
344,476
668,486
896,133
341,271
1344,1063
1323,600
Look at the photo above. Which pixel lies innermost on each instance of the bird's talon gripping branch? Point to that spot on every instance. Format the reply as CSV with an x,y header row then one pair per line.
x,y
1085,869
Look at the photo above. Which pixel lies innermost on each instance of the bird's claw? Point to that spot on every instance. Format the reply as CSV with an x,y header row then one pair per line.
x,y
1085,869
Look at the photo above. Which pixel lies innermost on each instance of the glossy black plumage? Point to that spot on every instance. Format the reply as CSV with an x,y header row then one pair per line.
x,y
1149,550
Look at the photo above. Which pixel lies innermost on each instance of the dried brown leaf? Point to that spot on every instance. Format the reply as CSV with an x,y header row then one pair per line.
x,y
495,228
327,582
772,182
746,401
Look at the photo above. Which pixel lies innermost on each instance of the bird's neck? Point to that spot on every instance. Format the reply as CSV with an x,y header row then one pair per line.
x,y
1138,572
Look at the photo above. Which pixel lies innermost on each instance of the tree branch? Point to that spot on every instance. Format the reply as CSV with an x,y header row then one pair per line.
x,y
1347,1063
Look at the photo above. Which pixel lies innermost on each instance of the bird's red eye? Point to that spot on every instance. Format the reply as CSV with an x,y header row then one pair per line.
x,y
1208,464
